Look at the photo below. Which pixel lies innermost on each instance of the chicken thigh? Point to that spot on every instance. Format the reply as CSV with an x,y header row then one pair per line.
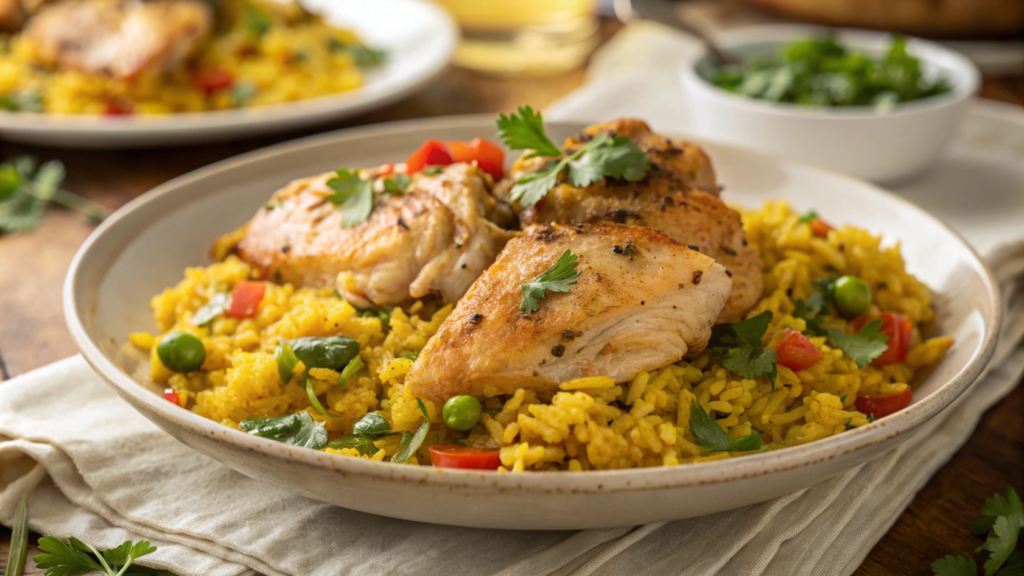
x,y
641,301
678,196
433,240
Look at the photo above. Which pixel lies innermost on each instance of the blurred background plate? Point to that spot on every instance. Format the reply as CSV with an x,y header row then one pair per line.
x,y
418,36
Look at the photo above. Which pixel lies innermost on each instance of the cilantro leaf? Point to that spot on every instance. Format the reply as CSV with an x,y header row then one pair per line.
x,y
997,506
864,346
1014,565
61,559
1001,542
410,443
529,189
558,278
751,330
525,131
603,156
297,429
255,21
397,184
712,438
749,362
353,196
215,306
958,566
807,217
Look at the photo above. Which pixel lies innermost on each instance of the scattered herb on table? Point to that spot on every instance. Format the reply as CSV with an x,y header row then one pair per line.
x,y
739,346
1001,523
297,429
602,156
19,540
712,438
26,191
410,443
822,72
558,278
73,557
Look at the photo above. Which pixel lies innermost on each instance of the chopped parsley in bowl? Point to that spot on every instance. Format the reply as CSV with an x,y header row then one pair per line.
x,y
823,72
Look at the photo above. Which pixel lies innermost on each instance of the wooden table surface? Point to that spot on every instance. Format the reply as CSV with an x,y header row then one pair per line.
x,y
32,331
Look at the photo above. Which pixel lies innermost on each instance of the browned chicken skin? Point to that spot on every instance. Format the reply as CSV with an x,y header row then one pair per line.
x,y
642,301
678,196
119,38
434,240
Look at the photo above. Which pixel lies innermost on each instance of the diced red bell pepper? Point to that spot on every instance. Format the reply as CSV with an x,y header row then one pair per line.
x,y
820,228
175,397
897,327
882,406
387,169
212,79
796,352
430,153
489,157
452,456
116,108
245,299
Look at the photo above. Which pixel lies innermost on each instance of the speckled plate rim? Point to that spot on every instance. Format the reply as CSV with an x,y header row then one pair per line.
x,y
609,481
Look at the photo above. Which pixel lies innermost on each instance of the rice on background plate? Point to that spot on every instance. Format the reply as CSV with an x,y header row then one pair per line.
x,y
592,423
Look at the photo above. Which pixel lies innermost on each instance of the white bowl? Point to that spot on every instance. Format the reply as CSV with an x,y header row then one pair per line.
x,y
418,36
859,141
146,245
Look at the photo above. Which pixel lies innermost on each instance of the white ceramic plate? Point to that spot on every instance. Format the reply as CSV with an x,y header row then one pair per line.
x,y
146,245
418,36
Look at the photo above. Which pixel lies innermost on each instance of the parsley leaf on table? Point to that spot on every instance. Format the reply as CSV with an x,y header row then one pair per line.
x,y
558,278
525,131
1001,542
352,195
712,438
958,566
25,193
602,156
864,346
297,429
995,507
70,558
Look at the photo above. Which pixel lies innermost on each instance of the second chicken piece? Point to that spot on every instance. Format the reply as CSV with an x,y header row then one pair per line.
x,y
641,301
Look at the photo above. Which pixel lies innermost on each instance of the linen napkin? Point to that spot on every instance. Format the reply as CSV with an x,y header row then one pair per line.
x,y
94,468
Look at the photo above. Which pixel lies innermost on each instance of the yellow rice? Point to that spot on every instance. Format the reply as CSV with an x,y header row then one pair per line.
x,y
591,423
291,61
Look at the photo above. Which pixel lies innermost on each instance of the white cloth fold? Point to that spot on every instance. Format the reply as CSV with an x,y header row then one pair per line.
x,y
95,469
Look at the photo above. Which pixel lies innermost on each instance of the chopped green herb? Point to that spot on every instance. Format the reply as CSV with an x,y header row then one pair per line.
x,y
242,93
297,429
602,156
821,72
848,424
432,170
19,540
333,352
712,438
353,196
864,346
558,278
749,362
807,217
739,345
67,559
372,424
363,56
409,355
842,398
410,443
255,21
750,330
315,402
364,444
397,184
23,101
215,306
351,370
871,418
958,566
286,361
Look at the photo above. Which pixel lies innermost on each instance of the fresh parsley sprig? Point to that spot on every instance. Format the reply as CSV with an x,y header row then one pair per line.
x,y
1001,523
26,192
712,438
73,557
558,278
602,156
739,346
863,347
352,195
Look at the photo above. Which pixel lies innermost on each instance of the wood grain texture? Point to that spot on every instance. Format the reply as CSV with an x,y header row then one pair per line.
x,y
32,268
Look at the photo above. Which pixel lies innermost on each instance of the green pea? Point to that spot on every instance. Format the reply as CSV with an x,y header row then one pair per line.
x,y
181,351
852,295
461,412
